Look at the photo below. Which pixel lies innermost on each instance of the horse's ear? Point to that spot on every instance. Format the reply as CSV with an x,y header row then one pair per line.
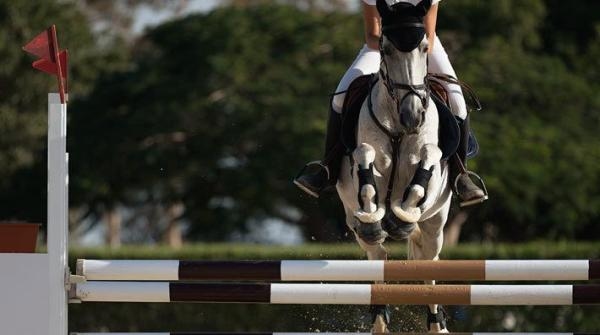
x,y
384,10
424,7
390,7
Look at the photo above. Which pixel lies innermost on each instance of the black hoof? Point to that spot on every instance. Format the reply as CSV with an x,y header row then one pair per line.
x,y
396,228
440,318
371,233
381,310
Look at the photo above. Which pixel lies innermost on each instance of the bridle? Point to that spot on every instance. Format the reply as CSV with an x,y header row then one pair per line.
x,y
392,86
392,89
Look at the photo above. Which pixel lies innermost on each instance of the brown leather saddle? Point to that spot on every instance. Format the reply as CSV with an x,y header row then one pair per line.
x,y
449,133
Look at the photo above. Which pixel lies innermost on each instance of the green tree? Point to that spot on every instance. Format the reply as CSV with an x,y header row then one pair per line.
x,y
23,97
538,129
212,115
217,111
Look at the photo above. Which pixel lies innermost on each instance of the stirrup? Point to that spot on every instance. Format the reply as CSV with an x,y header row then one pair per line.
x,y
313,193
309,164
472,175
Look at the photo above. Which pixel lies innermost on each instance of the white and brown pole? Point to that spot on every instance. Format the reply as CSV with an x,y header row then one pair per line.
x,y
338,294
324,333
339,270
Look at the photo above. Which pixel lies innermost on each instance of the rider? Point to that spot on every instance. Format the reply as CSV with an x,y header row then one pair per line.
x,y
368,62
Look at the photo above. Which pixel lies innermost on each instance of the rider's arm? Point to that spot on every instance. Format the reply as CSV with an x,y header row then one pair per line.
x,y
430,21
372,26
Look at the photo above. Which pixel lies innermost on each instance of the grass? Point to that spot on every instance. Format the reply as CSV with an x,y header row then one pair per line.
x,y
530,250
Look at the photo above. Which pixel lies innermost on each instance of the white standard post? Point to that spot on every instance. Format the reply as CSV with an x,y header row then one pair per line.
x,y
58,233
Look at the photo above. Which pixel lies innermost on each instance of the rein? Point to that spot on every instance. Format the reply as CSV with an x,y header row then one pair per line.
x,y
395,140
445,78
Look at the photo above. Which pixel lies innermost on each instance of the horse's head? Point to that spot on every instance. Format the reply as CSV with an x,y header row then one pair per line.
x,y
403,49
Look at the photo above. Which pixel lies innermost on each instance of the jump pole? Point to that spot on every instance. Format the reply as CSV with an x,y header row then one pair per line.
x,y
324,333
337,294
339,270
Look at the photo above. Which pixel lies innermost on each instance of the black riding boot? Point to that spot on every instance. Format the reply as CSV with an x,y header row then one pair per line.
x,y
328,170
464,187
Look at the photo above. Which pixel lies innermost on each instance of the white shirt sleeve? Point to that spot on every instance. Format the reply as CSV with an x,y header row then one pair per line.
x,y
391,2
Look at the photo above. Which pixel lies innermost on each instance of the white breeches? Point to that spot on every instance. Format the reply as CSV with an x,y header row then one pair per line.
x,y
440,63
368,60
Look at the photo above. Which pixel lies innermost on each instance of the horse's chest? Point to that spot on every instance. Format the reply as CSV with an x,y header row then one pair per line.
x,y
407,153
384,160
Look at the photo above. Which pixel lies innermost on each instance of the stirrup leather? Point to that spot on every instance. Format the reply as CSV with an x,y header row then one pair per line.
x,y
473,176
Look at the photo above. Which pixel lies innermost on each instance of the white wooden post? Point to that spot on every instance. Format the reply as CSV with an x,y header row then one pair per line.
x,y
33,298
58,205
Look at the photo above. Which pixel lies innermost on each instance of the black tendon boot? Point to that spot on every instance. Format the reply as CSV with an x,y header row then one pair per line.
x,y
464,187
314,181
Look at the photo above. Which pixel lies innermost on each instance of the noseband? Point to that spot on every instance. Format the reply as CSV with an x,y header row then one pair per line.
x,y
392,86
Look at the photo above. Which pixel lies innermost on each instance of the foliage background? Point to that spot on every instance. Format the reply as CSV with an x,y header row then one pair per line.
x,y
195,128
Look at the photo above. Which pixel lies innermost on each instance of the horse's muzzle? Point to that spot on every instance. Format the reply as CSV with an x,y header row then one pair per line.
x,y
412,118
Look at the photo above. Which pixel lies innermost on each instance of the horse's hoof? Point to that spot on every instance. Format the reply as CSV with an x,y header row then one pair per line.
x,y
408,214
371,233
368,217
379,326
396,228
380,318
436,323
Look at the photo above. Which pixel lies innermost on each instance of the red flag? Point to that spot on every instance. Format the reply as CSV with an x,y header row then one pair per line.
x,y
46,65
52,60
39,45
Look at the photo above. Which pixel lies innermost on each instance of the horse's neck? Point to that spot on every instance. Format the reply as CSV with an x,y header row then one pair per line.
x,y
385,107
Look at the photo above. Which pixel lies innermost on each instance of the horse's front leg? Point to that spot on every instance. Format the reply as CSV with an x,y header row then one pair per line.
x,y
370,211
408,208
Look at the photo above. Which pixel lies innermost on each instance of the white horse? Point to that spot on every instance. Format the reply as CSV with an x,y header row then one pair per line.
x,y
396,184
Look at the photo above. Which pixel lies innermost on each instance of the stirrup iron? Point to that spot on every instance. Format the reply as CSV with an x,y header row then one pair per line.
x,y
473,176
309,164
314,193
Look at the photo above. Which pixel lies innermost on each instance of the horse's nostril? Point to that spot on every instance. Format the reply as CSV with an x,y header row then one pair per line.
x,y
403,120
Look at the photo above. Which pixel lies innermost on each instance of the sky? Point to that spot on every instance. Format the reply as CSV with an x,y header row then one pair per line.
x,y
147,17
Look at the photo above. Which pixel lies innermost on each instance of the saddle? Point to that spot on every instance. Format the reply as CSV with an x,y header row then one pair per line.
x,y
449,133
355,97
